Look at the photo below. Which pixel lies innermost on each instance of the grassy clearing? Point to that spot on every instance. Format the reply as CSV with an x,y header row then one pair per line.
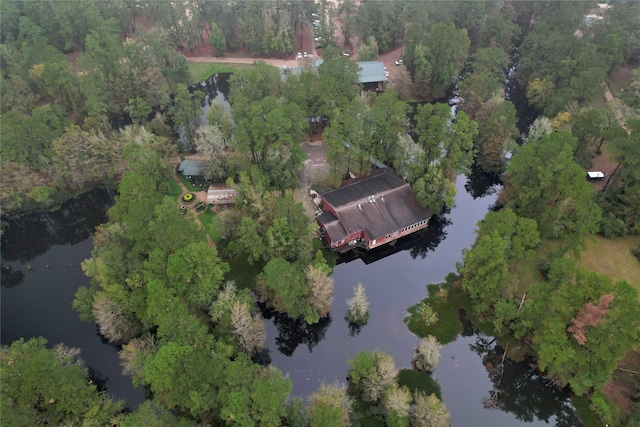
x,y
174,188
203,70
329,256
619,80
211,224
242,272
419,381
188,183
613,257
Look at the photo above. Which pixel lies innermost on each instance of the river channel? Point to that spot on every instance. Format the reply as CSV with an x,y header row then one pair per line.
x,y
41,254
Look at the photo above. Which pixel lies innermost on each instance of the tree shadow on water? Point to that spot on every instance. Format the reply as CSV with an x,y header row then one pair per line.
x,y
355,328
432,237
480,184
518,387
293,332
10,277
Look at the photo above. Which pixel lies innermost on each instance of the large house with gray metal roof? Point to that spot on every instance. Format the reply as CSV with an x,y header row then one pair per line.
x,y
369,72
369,212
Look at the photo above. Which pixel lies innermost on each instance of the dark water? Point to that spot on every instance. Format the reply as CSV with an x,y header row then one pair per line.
x,y
41,256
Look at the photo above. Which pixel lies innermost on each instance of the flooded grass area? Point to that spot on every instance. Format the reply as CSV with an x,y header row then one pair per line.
x,y
419,381
446,300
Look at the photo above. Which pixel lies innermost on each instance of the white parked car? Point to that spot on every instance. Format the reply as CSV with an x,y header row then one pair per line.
x,y
298,55
399,62
304,54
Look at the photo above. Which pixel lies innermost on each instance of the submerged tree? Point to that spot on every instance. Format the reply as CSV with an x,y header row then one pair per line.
x,y
330,406
429,411
319,288
427,354
358,306
248,329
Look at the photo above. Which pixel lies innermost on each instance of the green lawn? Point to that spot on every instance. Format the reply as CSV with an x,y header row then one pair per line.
x,y
188,183
242,272
203,70
613,257
211,224
174,188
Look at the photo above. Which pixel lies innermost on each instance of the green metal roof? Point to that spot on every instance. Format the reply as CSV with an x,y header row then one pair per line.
x,y
371,72
191,167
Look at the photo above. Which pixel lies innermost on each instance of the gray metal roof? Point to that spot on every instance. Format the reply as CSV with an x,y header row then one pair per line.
x,y
368,71
192,167
379,204
371,72
296,71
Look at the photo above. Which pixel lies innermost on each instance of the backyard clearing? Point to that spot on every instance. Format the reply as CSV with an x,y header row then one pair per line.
x,y
613,257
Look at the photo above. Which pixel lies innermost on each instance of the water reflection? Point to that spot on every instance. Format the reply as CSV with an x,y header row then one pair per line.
x,y
293,332
11,277
518,388
481,184
32,235
41,256
215,88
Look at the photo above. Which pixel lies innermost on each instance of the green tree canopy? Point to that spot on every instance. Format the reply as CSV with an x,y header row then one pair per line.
x,y
544,183
50,386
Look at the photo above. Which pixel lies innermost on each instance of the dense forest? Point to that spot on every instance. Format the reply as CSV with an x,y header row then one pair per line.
x,y
73,72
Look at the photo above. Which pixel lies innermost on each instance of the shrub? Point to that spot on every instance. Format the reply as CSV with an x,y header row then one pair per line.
x,y
636,252
427,314
188,197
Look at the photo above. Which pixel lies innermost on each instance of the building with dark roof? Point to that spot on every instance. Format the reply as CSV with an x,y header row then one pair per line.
x,y
369,212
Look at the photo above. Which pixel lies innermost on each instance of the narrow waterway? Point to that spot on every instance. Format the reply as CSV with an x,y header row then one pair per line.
x,y
41,256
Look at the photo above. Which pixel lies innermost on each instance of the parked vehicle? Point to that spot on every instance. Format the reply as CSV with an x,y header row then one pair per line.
x,y
595,175
304,54
299,55
399,62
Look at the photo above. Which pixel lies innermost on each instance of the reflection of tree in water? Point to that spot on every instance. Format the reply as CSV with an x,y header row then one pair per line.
x,y
10,277
218,83
262,357
293,332
354,328
480,184
73,223
433,236
520,389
